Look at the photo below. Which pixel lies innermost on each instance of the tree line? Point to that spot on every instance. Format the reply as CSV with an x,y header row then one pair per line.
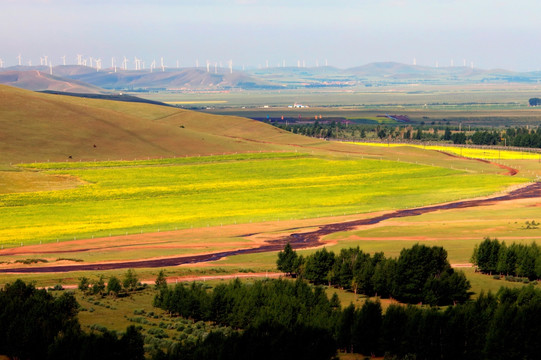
x,y
291,320
36,325
419,274
494,257
512,136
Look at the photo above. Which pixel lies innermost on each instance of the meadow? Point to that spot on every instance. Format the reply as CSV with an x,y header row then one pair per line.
x,y
134,197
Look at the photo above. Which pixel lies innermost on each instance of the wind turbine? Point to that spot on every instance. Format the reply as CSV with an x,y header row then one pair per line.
x,y
326,63
79,59
63,60
414,61
231,66
19,58
98,65
51,67
196,63
152,65
1,63
125,64
208,66
215,67
91,61
40,60
161,63
46,60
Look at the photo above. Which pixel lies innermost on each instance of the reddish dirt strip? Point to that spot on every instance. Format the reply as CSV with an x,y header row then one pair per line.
x,y
298,241
510,170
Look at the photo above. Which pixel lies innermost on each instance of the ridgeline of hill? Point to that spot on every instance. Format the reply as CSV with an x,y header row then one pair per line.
x,y
41,80
85,79
47,127
75,78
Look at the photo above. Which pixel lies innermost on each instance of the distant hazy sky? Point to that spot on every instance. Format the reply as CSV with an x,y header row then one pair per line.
x,y
489,33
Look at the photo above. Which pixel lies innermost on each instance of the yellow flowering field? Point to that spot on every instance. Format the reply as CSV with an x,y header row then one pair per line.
x,y
135,197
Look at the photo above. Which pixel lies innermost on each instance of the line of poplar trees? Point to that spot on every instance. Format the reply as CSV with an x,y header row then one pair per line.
x,y
495,257
419,274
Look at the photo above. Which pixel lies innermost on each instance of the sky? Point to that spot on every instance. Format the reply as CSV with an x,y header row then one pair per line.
x,y
251,33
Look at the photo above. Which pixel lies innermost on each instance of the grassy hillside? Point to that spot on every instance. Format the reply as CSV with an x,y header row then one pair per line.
x,y
44,127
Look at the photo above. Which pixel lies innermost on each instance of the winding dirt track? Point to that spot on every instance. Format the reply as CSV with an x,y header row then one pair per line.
x,y
297,241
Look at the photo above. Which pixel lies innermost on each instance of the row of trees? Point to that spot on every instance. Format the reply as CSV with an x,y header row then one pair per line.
x,y
419,274
291,320
36,325
492,256
519,137
114,286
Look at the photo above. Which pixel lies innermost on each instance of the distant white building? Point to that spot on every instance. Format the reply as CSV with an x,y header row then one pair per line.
x,y
298,106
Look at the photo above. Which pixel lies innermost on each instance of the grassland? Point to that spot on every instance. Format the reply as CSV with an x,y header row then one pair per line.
x,y
136,197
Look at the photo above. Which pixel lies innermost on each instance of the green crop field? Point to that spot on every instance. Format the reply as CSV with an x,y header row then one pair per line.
x,y
138,197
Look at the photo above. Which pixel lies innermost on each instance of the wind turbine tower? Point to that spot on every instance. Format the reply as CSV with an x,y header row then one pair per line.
x,y
125,64
98,65
208,66
161,64
231,66
79,59
20,59
64,60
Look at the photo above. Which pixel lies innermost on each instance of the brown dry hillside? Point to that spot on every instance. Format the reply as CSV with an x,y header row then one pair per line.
x,y
42,127
39,80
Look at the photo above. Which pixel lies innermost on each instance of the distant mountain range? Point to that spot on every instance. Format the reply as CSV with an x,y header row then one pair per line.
x,y
84,79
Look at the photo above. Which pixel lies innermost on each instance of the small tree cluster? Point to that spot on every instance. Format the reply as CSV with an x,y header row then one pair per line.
x,y
114,286
419,274
36,325
491,256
